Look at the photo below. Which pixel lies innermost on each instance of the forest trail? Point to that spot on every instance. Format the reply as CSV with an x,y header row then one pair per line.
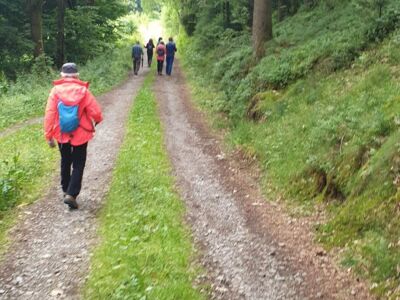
x,y
50,250
249,247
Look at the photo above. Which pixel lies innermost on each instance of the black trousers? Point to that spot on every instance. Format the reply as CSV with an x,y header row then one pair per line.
x,y
149,58
75,157
136,65
160,64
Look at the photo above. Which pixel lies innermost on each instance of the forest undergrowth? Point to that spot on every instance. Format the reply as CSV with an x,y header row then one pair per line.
x,y
321,114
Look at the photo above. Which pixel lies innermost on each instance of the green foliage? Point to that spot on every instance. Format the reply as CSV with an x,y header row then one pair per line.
x,y
104,73
198,16
321,114
10,183
26,162
334,42
27,96
152,7
378,5
145,251
14,37
383,26
89,31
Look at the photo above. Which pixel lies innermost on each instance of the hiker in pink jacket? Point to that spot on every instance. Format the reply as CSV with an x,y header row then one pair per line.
x,y
71,115
161,51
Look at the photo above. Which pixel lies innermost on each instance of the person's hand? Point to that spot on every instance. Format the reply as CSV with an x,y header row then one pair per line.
x,y
51,143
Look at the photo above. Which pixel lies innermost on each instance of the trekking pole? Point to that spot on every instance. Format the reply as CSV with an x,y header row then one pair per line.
x,y
142,61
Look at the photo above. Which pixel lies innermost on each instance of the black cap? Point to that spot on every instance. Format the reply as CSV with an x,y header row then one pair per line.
x,y
69,69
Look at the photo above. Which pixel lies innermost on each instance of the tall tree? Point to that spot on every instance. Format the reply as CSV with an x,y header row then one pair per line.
x,y
262,26
227,13
60,56
35,13
15,38
250,7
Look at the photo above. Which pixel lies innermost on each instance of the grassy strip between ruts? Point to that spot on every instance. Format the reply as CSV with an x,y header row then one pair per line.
x,y
146,250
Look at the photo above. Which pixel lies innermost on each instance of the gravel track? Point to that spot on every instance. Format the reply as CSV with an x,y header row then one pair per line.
x,y
50,249
249,247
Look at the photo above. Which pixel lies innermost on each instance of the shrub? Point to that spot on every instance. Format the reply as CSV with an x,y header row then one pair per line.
x,y
383,26
10,182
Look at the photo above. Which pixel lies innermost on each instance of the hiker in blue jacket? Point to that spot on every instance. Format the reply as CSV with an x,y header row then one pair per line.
x,y
171,49
137,54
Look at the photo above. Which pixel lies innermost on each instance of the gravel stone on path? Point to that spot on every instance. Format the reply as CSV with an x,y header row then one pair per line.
x,y
248,246
49,254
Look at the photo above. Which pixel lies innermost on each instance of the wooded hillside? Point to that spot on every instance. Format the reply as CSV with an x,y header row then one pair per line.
x,y
318,108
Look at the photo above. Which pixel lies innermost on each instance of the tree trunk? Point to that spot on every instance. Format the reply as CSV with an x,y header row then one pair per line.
x,y
60,57
227,14
282,10
262,26
251,12
35,12
293,6
309,3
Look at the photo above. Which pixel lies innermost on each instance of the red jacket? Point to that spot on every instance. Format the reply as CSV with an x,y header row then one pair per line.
x,y
72,91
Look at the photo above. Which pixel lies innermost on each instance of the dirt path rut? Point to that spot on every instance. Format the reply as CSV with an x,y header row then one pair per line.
x,y
250,248
50,251
14,128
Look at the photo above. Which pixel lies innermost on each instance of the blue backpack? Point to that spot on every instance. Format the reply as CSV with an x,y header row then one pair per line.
x,y
69,119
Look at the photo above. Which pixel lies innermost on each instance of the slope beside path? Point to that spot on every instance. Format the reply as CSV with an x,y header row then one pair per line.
x,y
249,247
50,250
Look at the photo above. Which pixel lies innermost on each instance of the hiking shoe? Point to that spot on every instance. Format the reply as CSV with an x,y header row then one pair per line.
x,y
71,202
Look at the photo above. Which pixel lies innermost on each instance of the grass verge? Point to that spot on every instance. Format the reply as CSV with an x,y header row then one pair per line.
x,y
146,250
26,163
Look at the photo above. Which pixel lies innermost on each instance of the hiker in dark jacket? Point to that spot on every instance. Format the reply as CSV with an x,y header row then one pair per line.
x,y
150,50
137,54
171,49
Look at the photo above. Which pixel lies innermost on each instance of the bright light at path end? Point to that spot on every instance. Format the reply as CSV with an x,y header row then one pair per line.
x,y
152,30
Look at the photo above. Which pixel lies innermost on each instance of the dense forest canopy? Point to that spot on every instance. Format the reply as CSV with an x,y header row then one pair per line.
x,y
77,30
63,30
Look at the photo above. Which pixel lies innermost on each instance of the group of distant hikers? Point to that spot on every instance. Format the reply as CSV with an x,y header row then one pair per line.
x,y
164,52
72,114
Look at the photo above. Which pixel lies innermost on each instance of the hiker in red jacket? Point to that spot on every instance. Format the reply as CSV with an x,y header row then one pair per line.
x,y
71,115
